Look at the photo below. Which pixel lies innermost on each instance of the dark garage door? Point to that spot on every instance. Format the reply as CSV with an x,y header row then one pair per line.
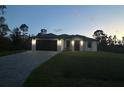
x,y
50,45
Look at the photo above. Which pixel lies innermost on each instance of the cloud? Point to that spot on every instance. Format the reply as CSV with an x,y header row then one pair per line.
x,y
58,30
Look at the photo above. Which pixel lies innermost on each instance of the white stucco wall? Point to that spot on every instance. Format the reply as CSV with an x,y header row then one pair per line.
x,y
83,45
61,45
93,46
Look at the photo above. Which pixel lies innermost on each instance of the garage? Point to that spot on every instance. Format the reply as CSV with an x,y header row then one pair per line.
x,y
47,45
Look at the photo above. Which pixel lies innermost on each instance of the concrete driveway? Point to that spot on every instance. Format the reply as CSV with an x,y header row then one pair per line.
x,y
14,69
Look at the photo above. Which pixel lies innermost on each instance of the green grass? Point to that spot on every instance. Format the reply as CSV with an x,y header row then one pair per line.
x,y
72,69
5,53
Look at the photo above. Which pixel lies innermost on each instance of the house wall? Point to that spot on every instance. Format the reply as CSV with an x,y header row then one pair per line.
x,y
93,48
61,45
82,44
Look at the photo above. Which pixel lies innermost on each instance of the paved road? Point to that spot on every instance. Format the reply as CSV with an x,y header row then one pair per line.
x,y
14,69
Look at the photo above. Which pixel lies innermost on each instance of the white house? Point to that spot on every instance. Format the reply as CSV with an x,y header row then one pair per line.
x,y
52,42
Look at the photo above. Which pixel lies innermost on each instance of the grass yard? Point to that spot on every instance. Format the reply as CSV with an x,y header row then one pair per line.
x,y
5,53
72,69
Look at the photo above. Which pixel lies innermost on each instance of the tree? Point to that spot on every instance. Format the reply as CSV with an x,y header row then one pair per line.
x,y
114,39
16,38
17,32
101,37
119,42
109,40
43,31
2,7
122,40
3,30
24,29
3,27
2,20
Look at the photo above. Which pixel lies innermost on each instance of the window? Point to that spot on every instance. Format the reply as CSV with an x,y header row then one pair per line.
x,y
89,44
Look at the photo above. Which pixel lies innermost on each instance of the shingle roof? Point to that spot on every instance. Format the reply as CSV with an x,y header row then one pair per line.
x,y
62,36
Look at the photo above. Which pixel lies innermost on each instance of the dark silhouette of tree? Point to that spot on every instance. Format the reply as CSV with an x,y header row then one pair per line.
x,y
18,41
16,38
119,42
43,31
109,40
17,31
5,42
2,9
24,29
101,37
114,40
3,27
122,40
108,43
2,20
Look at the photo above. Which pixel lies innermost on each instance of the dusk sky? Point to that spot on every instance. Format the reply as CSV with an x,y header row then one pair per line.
x,y
83,20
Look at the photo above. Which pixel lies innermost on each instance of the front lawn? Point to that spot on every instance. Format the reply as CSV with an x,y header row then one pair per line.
x,y
5,53
79,69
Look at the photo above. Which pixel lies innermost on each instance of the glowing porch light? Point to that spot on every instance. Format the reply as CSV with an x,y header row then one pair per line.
x,y
33,41
72,42
81,43
59,42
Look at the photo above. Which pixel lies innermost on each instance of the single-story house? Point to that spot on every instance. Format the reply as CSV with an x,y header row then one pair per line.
x,y
52,42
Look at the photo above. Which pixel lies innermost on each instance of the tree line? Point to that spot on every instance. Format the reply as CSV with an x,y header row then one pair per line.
x,y
108,42
14,39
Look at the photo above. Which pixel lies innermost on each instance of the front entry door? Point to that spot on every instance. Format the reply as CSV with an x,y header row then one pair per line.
x,y
77,45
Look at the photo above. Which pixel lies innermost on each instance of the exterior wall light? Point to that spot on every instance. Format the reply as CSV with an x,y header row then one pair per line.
x,y
59,42
81,43
72,42
33,41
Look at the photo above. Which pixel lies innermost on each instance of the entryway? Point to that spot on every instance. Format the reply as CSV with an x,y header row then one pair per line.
x,y
77,45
